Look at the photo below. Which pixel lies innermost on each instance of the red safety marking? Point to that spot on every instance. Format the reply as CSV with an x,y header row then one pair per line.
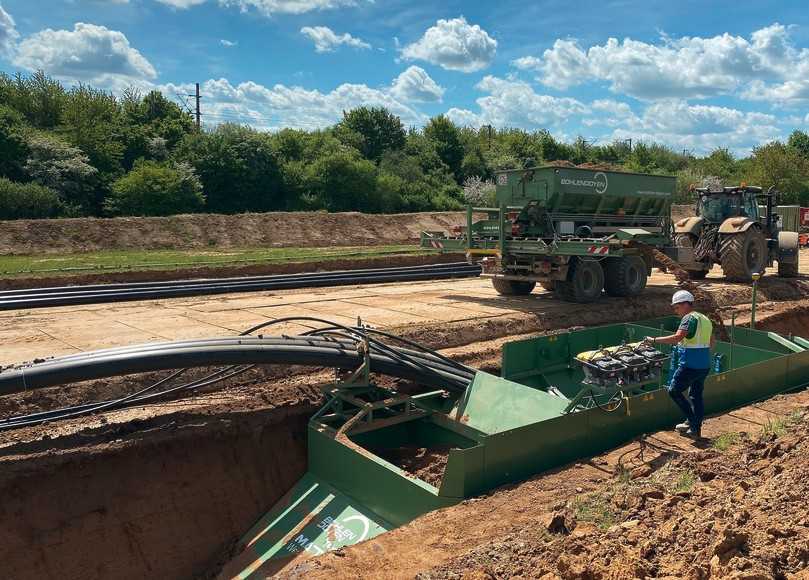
x,y
598,249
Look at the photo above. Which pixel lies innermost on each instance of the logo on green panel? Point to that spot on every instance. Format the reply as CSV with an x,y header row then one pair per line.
x,y
598,182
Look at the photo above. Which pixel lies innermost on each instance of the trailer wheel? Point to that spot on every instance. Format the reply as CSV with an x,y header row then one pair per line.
x,y
743,254
585,280
512,287
625,276
788,254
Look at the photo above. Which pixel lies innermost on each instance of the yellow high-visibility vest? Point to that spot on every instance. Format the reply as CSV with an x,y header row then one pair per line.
x,y
702,337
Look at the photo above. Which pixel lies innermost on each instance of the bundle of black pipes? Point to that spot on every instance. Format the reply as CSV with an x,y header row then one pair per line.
x,y
332,345
97,294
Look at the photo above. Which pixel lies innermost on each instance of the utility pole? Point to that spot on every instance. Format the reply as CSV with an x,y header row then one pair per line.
x,y
199,114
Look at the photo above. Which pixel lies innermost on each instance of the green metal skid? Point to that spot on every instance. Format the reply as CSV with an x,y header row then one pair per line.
x,y
509,428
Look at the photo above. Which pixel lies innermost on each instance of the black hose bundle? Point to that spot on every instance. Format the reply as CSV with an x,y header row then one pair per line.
x,y
332,345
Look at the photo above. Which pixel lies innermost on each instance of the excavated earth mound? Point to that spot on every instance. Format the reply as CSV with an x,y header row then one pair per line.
x,y
738,513
282,229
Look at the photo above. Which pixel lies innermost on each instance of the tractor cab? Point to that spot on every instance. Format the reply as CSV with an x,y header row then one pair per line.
x,y
715,206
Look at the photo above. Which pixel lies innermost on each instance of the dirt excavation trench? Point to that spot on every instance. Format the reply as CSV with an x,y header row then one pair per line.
x,y
166,491
151,499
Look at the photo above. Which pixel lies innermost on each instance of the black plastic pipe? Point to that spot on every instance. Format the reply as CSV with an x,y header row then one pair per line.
x,y
306,351
74,295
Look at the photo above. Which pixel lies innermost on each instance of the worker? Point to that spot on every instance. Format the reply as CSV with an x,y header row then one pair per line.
x,y
695,338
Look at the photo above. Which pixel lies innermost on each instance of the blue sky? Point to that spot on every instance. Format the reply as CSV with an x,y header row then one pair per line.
x,y
695,75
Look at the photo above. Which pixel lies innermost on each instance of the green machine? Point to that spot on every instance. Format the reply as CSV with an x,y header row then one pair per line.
x,y
552,405
568,229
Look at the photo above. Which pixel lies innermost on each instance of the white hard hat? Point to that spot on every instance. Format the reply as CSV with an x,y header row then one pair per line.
x,y
682,296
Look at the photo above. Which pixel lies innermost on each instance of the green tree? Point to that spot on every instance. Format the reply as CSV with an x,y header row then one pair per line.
x,y
156,189
91,121
39,98
719,163
552,150
782,167
13,146
27,201
152,126
371,130
446,138
799,140
342,182
474,165
65,170
238,167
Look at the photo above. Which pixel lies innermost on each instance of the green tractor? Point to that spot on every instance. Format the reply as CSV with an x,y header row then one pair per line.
x,y
728,229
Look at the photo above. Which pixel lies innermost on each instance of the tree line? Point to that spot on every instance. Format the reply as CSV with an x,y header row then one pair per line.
x,y
81,151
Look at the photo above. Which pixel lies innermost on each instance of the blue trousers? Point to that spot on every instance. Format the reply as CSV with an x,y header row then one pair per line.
x,y
693,407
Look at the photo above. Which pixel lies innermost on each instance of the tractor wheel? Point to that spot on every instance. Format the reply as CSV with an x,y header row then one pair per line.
x,y
585,280
625,276
548,285
690,241
512,287
788,254
743,254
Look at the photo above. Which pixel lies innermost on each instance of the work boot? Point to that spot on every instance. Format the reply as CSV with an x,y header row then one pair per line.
x,y
682,427
692,434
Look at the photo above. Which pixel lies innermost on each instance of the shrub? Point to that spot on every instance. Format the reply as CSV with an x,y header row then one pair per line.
x,y
156,189
27,200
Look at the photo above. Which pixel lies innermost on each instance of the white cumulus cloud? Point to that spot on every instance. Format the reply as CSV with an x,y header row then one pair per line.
x,y
278,106
181,4
228,43
270,7
415,84
326,40
512,103
454,45
687,67
698,128
88,53
8,33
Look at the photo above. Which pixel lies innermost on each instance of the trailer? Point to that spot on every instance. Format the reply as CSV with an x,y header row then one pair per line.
x,y
571,230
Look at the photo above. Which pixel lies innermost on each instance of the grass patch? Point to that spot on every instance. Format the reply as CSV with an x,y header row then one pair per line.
x,y
596,509
623,474
685,481
725,441
128,260
796,417
776,427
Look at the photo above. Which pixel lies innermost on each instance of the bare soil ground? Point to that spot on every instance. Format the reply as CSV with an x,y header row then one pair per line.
x,y
423,463
283,229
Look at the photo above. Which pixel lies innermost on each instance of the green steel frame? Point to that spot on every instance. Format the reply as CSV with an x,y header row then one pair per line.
x,y
489,237
500,430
